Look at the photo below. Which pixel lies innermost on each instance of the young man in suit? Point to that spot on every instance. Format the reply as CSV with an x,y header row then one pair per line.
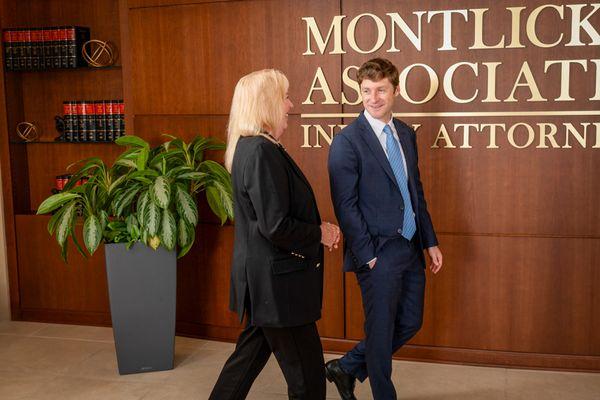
x,y
380,205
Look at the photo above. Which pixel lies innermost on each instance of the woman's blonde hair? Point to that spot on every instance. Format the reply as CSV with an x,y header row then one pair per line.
x,y
257,106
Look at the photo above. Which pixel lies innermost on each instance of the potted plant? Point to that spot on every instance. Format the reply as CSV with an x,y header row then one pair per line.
x,y
143,208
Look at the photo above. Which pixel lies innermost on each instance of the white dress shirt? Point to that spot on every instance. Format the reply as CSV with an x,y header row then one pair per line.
x,y
377,127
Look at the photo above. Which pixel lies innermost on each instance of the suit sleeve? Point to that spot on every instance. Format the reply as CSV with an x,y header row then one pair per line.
x,y
428,236
267,184
344,174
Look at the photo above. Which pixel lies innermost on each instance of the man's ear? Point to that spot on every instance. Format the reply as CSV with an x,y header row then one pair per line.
x,y
397,91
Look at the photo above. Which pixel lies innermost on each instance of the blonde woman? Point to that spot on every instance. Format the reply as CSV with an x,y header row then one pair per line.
x,y
277,269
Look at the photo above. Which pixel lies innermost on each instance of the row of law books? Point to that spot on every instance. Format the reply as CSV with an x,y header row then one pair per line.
x,y
34,49
93,121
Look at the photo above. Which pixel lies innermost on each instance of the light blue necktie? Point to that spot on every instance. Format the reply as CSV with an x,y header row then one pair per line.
x,y
409,226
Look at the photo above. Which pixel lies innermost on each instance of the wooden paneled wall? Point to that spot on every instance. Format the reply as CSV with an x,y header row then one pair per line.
x,y
519,228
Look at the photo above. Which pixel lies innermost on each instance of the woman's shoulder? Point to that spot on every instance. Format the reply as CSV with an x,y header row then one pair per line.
x,y
256,143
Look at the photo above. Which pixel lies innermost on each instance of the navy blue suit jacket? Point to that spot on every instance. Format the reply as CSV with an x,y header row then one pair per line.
x,y
366,197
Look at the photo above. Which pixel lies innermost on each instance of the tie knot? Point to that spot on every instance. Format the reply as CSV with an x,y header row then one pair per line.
x,y
387,130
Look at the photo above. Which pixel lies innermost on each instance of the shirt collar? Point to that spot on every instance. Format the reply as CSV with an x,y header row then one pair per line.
x,y
377,125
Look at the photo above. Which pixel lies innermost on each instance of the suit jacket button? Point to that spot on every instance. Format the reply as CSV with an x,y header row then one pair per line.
x,y
399,230
318,265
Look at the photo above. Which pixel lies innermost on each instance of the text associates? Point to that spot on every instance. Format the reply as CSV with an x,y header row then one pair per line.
x,y
541,79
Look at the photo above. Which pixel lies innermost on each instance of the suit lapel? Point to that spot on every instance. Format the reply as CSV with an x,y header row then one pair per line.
x,y
370,139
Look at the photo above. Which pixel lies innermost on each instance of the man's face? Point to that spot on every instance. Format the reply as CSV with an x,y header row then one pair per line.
x,y
378,98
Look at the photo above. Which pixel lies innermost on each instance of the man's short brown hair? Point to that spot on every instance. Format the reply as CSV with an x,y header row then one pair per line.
x,y
377,69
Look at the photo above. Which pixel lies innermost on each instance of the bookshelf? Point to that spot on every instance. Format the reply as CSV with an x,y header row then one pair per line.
x,y
29,169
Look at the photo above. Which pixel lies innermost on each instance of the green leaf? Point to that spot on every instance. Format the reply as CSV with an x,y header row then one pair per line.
x,y
64,225
92,233
54,221
145,236
142,206
132,227
169,230
115,184
142,158
161,192
131,140
124,200
126,163
186,235
213,196
55,201
103,219
152,220
77,245
186,206
194,176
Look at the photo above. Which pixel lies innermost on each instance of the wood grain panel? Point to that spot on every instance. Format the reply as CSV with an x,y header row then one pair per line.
x,y
167,3
217,43
45,282
203,278
507,294
7,11
450,355
102,17
47,160
510,191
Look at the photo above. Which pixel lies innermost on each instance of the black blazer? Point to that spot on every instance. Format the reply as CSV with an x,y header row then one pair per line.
x,y
277,269
366,198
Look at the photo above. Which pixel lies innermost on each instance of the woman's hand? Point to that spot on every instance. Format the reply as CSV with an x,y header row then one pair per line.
x,y
330,235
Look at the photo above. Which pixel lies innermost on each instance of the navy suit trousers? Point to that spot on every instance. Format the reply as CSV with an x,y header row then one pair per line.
x,y
392,296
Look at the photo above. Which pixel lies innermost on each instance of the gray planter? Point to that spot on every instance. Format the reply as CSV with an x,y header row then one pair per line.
x,y
142,286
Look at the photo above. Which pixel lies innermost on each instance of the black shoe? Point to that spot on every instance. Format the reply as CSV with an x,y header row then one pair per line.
x,y
344,382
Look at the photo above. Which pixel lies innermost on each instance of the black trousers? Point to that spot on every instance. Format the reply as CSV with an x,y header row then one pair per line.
x,y
297,350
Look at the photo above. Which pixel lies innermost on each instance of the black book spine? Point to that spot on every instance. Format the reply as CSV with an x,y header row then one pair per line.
x,y
36,44
71,47
82,35
47,45
55,47
83,122
121,118
64,45
110,128
80,122
7,42
68,118
100,115
27,48
21,46
90,112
